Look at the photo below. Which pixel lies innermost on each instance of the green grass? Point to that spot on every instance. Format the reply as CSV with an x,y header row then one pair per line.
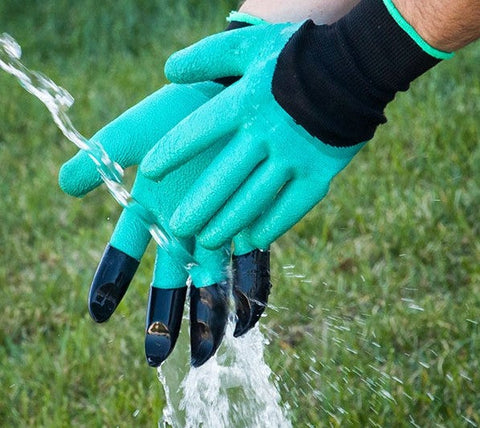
x,y
376,293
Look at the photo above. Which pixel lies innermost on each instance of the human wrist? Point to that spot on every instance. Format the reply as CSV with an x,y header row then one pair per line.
x,y
418,32
444,24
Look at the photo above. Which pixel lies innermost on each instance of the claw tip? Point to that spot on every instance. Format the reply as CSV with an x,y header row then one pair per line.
x,y
157,349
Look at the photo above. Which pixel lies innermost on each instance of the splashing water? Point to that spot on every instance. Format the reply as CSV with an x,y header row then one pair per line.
x,y
233,388
58,101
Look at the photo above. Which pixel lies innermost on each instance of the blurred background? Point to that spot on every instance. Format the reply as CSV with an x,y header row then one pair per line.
x,y
376,300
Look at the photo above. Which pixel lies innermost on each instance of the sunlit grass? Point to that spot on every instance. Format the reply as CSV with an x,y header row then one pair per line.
x,y
375,306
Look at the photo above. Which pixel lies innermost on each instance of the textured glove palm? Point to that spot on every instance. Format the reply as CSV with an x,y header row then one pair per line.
x,y
127,139
271,172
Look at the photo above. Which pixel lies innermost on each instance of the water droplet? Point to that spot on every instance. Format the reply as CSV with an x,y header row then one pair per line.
x,y
423,364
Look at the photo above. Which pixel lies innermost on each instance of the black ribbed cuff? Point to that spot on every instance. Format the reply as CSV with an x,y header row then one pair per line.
x,y
343,75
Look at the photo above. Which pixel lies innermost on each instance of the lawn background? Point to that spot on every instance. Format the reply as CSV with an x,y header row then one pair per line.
x,y
376,300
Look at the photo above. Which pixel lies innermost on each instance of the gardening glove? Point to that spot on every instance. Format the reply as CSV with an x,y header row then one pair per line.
x,y
126,140
308,99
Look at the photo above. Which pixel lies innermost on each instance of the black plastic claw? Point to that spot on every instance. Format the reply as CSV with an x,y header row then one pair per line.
x,y
164,318
251,287
110,283
208,319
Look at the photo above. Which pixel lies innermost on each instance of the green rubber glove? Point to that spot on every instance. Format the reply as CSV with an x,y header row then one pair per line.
x,y
127,139
271,172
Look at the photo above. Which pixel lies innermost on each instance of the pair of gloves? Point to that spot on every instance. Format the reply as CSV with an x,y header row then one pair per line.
x,y
241,163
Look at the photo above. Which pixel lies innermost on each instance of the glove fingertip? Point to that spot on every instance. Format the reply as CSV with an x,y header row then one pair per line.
x,y
158,162
181,226
188,65
149,166
208,320
110,283
174,68
78,176
67,182
164,319
211,241
251,288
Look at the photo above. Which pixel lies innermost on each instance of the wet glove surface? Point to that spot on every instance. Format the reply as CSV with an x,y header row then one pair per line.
x,y
308,99
126,140
272,171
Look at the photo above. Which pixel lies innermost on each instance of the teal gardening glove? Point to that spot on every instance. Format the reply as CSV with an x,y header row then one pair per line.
x,y
271,172
308,99
127,139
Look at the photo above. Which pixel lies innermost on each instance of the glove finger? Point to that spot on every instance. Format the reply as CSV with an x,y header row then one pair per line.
x,y
246,204
117,266
220,55
251,288
110,283
294,201
193,135
130,235
209,308
212,265
79,175
163,322
165,308
225,174
131,135
167,273
209,303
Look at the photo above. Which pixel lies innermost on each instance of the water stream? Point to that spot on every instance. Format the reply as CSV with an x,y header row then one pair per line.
x,y
235,388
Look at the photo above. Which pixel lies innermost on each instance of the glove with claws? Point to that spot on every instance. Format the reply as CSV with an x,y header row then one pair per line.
x,y
126,140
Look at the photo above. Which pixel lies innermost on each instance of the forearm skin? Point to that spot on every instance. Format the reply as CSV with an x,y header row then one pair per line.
x,y
445,24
